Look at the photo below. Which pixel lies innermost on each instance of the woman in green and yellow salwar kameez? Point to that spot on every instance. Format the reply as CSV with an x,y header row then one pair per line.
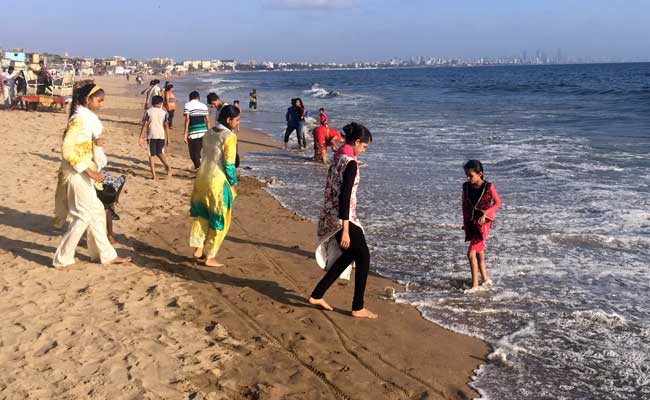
x,y
213,194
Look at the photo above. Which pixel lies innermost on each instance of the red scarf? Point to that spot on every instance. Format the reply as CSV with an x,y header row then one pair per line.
x,y
347,150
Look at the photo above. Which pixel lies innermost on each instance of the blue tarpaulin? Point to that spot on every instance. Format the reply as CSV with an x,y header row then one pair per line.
x,y
15,56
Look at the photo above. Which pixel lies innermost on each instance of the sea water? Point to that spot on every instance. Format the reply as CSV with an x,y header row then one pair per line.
x,y
568,149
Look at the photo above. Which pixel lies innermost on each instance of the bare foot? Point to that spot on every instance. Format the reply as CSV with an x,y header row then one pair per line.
x,y
211,262
472,290
364,313
321,303
169,172
118,260
198,252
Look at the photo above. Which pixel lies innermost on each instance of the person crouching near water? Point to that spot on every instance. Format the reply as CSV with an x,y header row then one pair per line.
x,y
214,192
340,235
324,137
75,199
480,203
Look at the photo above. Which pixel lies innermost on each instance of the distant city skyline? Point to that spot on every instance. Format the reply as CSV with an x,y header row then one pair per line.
x,y
340,31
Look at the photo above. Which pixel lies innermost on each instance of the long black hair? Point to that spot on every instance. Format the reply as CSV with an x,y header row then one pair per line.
x,y
354,132
227,112
80,97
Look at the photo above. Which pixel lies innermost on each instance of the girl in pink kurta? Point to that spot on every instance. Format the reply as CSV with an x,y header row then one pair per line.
x,y
480,202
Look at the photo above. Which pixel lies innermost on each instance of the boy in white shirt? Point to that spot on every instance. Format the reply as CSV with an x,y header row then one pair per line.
x,y
156,128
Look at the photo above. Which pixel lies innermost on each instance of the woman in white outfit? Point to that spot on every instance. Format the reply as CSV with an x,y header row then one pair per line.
x,y
76,200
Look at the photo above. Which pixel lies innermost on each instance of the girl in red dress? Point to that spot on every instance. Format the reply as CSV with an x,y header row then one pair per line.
x,y
480,202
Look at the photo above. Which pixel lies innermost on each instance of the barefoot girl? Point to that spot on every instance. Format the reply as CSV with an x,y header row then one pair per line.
x,y
340,235
213,194
76,200
480,203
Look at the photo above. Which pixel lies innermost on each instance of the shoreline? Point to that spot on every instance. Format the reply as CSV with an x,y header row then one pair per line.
x,y
260,338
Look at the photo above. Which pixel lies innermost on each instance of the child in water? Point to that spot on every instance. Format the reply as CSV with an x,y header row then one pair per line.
x,y
323,117
480,202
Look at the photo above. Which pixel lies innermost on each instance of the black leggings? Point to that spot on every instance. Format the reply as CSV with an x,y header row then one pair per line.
x,y
170,117
195,146
357,252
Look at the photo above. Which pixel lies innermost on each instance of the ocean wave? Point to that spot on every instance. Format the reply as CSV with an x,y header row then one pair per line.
x,y
320,92
607,320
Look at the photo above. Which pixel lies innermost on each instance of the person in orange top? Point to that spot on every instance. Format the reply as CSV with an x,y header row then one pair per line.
x,y
170,104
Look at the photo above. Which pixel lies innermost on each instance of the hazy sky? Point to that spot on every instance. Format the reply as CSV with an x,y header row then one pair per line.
x,y
322,30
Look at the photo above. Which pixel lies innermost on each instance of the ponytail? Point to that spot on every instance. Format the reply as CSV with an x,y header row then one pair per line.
x,y
354,132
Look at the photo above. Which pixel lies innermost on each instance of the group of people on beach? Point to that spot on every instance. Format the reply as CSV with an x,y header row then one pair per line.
x,y
211,135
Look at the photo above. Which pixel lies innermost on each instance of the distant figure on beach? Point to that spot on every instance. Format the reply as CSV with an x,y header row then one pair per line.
x,y
295,118
340,234
213,193
150,92
139,79
44,78
127,76
325,137
196,125
214,108
252,100
170,105
480,202
155,128
236,104
76,200
2,86
323,117
8,78
21,90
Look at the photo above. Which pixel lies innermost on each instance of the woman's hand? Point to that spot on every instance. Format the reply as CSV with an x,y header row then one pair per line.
x,y
345,240
482,220
94,175
99,142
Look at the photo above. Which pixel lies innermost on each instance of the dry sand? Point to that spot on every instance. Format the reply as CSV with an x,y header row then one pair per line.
x,y
164,327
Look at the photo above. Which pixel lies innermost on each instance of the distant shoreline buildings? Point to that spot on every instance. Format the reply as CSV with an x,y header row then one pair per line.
x,y
119,65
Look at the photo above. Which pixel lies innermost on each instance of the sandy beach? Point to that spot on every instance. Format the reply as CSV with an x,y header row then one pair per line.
x,y
164,327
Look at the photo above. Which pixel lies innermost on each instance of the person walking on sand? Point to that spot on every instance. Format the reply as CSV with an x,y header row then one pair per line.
x,y
215,104
9,78
480,202
75,199
196,125
340,234
213,193
150,92
157,133
295,118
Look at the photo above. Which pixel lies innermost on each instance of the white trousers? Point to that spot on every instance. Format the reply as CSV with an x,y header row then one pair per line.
x,y
86,214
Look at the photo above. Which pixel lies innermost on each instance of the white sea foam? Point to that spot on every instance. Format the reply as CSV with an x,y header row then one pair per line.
x,y
567,248
320,92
